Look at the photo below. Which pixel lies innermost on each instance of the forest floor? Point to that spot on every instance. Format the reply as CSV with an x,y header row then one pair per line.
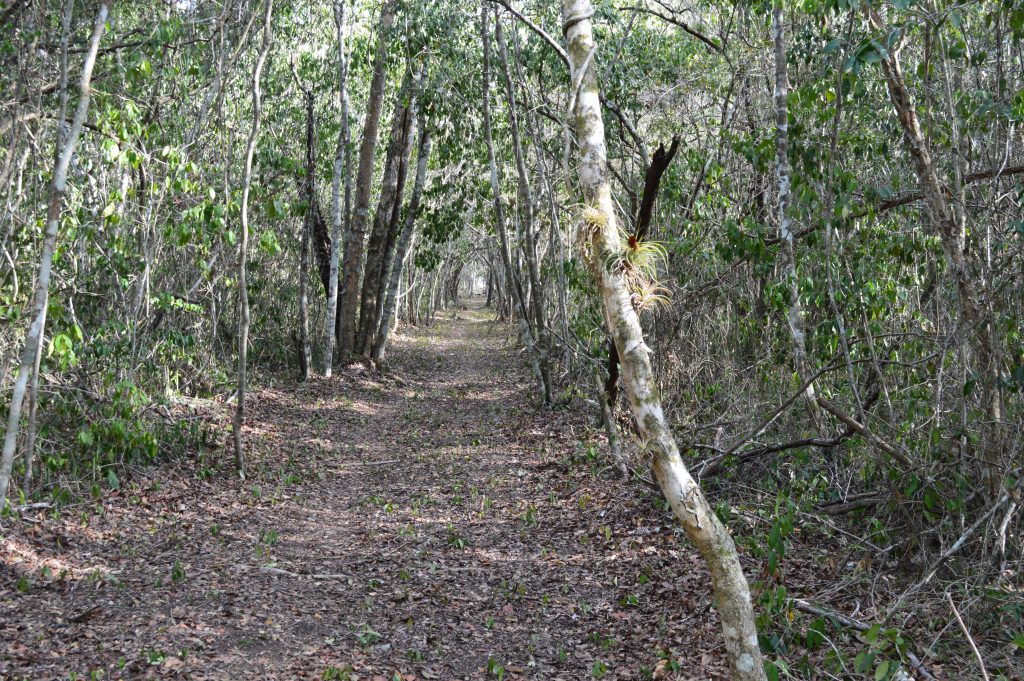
x,y
426,522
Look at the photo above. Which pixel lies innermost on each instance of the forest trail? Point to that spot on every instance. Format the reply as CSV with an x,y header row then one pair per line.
x,y
424,523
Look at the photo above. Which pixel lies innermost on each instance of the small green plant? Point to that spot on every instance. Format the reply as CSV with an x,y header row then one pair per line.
x,y
177,572
455,539
367,636
154,656
332,673
267,538
495,669
599,669
529,517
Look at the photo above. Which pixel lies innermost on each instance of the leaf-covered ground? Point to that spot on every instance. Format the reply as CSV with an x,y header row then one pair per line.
x,y
425,523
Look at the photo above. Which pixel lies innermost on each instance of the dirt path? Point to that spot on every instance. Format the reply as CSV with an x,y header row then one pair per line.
x,y
428,523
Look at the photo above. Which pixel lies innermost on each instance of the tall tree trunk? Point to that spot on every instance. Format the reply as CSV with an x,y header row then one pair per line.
x,y
601,236
519,302
385,220
394,228
33,397
528,229
58,187
243,244
352,266
402,250
787,250
339,215
307,233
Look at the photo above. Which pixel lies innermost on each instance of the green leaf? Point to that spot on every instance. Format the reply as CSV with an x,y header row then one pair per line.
x,y
113,480
882,671
863,661
269,243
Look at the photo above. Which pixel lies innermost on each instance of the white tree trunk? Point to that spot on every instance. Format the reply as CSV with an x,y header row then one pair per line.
x,y
42,293
518,301
342,165
601,236
787,248
243,244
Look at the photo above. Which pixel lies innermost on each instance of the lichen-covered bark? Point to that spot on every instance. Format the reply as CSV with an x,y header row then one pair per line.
x,y
787,249
600,236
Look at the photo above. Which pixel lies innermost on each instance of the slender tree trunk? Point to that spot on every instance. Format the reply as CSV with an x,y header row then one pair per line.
x,y
395,227
490,285
403,247
528,229
30,439
33,398
58,187
416,304
601,236
342,166
307,232
499,211
243,244
787,250
352,266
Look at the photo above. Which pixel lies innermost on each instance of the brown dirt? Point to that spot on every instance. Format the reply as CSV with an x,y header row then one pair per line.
x,y
429,522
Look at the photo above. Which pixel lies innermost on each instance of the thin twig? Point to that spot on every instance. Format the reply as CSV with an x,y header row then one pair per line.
x,y
967,635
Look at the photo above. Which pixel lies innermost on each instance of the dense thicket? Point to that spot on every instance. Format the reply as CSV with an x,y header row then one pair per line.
x,y
819,224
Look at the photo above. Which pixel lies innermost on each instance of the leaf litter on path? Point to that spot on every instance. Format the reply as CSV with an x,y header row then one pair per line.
x,y
427,522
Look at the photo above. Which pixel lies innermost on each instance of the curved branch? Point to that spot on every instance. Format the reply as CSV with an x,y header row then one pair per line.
x,y
677,22
559,50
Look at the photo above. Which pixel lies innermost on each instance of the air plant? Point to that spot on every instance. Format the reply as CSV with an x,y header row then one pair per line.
x,y
648,294
636,259
594,221
594,217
